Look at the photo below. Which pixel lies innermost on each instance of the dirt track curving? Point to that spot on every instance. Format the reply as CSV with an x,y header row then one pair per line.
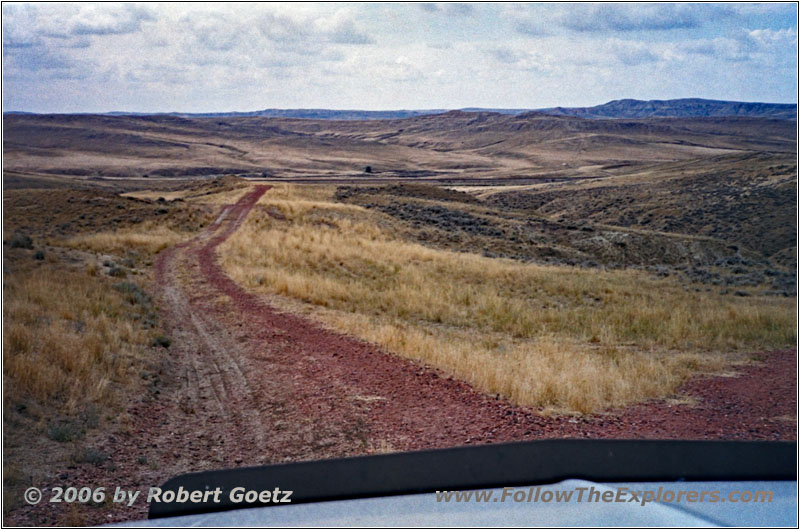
x,y
245,384
360,399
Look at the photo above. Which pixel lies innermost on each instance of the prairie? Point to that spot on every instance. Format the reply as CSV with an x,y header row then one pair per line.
x,y
84,336
453,145
558,338
626,257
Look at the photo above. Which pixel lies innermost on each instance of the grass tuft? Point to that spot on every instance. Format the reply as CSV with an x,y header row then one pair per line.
x,y
162,340
21,241
64,431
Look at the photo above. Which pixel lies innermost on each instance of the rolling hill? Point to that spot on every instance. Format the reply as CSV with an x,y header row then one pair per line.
x,y
455,144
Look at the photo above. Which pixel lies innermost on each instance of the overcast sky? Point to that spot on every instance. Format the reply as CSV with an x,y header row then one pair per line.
x,y
222,57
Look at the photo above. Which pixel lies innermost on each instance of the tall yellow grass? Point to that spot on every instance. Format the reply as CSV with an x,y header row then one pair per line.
x,y
147,238
154,235
69,338
554,337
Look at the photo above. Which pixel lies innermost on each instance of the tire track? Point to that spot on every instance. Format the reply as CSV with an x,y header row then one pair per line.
x,y
286,389
356,392
253,400
215,389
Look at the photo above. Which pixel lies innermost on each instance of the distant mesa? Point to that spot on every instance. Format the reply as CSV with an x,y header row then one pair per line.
x,y
617,109
678,108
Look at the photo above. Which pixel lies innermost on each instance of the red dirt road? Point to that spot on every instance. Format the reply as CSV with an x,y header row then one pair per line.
x,y
245,384
361,399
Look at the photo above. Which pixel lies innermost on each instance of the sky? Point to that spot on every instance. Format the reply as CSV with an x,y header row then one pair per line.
x,y
209,57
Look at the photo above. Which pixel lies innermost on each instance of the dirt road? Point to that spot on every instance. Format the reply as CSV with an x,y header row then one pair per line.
x,y
244,384
288,389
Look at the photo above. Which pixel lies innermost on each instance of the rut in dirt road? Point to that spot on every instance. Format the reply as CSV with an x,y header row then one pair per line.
x,y
285,388
274,387
235,389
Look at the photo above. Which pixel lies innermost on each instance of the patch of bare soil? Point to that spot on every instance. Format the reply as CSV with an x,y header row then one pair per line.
x,y
244,384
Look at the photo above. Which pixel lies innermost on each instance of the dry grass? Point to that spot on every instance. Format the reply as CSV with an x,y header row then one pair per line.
x,y
223,197
152,195
69,339
148,237
195,195
69,334
81,343
154,235
553,337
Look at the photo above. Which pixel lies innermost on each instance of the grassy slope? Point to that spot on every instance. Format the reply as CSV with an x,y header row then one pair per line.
x,y
554,337
749,200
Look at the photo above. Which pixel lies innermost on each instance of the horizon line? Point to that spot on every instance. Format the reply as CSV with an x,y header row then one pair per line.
x,y
426,110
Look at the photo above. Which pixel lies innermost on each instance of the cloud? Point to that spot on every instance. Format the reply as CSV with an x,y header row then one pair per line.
x,y
631,53
346,33
341,29
447,8
159,73
766,46
175,56
265,39
634,17
505,55
280,29
41,63
270,32
401,69
531,28
528,20
69,25
104,19
548,19
521,59
212,31
19,26
767,38
39,59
